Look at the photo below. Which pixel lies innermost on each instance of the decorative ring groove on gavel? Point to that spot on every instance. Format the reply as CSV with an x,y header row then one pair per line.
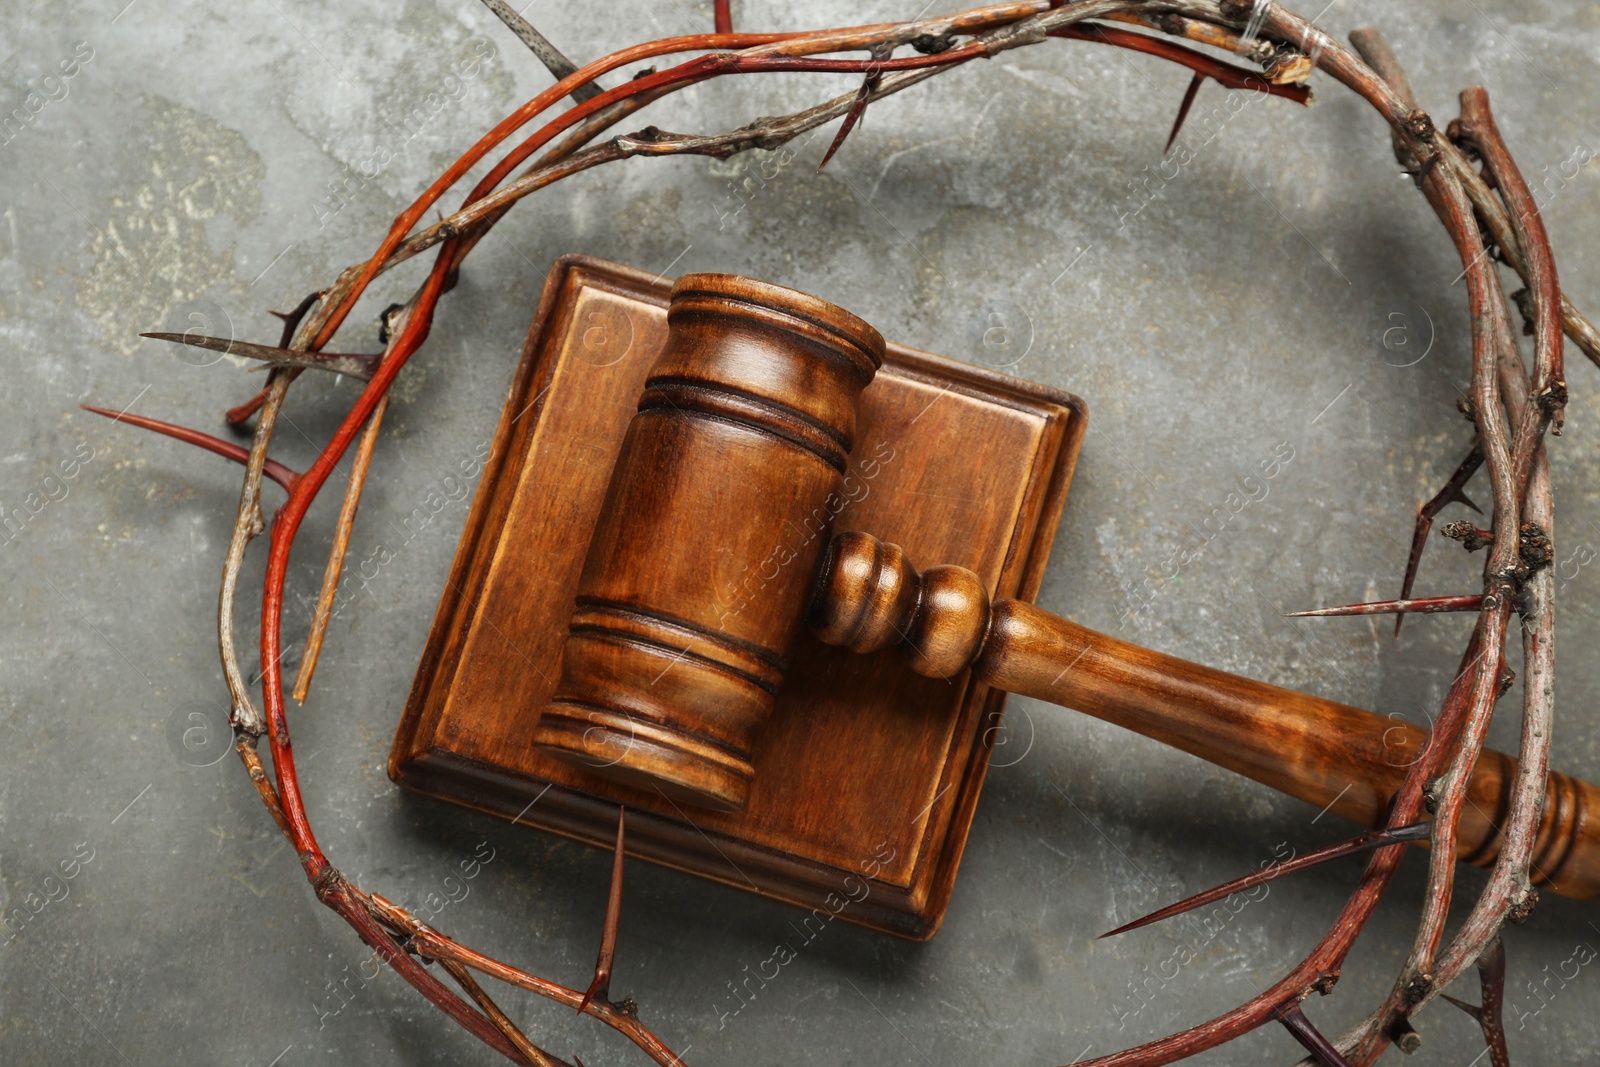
x,y
714,547
870,597
679,644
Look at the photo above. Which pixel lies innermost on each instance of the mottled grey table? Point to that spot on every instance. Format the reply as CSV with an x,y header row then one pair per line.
x,y
1288,291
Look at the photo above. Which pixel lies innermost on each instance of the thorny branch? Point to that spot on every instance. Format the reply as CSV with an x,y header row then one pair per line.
x,y
1453,492
1511,410
1492,981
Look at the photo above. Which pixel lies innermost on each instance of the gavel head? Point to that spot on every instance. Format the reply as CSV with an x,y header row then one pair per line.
x,y
702,562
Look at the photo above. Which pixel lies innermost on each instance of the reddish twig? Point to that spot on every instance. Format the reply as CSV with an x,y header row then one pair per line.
x,y
1490,210
601,985
1207,33
291,319
238,416
272,469
244,743
1288,46
1453,492
434,945
349,903
332,317
1227,75
1495,357
1550,379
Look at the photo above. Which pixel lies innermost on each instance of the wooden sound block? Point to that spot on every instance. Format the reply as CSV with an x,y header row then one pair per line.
x,y
867,774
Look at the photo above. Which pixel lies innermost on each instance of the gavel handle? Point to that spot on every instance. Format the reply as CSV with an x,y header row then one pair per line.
x,y
1328,754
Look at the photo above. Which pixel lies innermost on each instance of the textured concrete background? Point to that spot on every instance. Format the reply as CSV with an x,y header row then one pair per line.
x,y
1287,291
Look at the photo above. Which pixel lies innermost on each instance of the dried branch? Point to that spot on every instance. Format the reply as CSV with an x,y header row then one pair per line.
x,y
435,945
1477,125
341,546
246,746
1490,210
767,134
531,1052
1381,58
243,714
237,416
1453,492
350,904
1262,53
1510,428
1418,980
1225,74
1509,892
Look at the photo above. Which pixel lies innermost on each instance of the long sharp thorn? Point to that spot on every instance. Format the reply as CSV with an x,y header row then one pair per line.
x,y
284,476
1492,982
1471,1009
1460,497
238,416
601,986
1421,606
1183,111
858,106
554,61
291,319
1419,535
1322,1050
1365,843
356,364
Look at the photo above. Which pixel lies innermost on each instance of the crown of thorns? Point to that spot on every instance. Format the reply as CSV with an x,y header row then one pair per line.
x,y
1490,215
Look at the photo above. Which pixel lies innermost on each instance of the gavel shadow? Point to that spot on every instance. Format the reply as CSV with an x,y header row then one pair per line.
x,y
1092,829
785,764
676,928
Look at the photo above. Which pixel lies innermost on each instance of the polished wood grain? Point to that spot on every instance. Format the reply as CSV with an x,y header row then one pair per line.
x,y
718,511
623,622
1325,753
954,462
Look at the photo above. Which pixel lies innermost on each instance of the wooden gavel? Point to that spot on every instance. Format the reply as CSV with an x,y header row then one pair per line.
x,y
714,548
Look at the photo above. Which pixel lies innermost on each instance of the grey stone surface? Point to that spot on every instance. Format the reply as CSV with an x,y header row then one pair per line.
x,y
1287,287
